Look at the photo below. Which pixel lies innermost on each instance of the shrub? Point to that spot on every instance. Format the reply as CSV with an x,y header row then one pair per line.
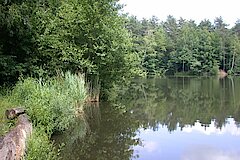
x,y
51,103
40,147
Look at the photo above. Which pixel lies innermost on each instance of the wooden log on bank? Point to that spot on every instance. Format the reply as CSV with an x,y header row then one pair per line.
x,y
13,144
14,112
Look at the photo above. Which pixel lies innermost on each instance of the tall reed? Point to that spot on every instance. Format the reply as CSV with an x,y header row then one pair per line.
x,y
51,103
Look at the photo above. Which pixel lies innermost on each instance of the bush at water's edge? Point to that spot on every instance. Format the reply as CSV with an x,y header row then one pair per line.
x,y
51,105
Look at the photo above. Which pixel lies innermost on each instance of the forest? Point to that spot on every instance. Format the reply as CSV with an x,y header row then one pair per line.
x,y
182,45
42,38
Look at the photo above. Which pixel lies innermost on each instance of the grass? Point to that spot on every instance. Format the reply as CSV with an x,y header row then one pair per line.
x,y
5,124
40,147
5,104
51,105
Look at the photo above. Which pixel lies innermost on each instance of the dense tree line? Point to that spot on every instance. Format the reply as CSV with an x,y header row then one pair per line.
x,y
181,45
42,38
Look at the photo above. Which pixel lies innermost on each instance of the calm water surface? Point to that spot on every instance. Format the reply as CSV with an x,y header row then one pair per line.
x,y
166,119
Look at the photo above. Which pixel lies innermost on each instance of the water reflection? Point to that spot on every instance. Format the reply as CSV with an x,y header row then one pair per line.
x,y
230,127
111,135
181,118
183,101
210,153
197,142
170,118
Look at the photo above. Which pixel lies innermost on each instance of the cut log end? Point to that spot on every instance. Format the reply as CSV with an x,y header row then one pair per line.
x,y
13,113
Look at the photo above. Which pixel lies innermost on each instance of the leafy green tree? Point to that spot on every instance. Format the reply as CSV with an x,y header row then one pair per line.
x,y
150,55
16,40
206,24
171,29
187,48
235,51
88,37
134,28
44,37
223,35
161,49
208,55
236,28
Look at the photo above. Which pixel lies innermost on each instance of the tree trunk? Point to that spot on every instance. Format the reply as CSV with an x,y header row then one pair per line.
x,y
183,67
233,62
13,144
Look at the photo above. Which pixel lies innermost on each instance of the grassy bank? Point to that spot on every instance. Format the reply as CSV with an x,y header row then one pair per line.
x,y
51,104
5,125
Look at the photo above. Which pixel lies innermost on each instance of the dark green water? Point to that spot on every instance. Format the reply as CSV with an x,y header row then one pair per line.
x,y
167,119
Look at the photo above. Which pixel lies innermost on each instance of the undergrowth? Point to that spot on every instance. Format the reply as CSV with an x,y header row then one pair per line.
x,y
5,124
40,147
51,104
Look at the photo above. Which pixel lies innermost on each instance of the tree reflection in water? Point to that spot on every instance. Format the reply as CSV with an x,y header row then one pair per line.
x,y
182,101
110,135
152,104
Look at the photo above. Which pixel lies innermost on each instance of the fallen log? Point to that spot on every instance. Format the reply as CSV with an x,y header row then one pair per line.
x,y
13,144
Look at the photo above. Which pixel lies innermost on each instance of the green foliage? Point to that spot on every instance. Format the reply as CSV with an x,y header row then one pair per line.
x,y
235,52
38,38
5,124
51,103
134,65
5,104
149,43
96,35
183,46
16,40
39,147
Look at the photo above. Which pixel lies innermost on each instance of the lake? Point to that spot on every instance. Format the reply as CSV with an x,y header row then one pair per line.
x,y
174,118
